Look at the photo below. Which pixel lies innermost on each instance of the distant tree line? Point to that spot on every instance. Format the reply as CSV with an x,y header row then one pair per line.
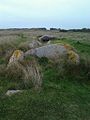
x,y
80,30
51,29
71,30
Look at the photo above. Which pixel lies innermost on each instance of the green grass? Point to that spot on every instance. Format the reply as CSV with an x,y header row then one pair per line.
x,y
65,93
65,101
63,97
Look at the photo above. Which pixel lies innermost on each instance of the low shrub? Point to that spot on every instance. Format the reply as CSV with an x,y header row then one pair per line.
x,y
24,46
43,61
80,72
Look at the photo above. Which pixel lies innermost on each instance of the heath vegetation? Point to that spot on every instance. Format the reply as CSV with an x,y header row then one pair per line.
x,y
52,89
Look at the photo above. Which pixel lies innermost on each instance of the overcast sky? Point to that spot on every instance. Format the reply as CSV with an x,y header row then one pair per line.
x,y
45,13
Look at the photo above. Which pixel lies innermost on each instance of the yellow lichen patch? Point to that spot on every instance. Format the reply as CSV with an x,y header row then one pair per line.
x,y
68,47
17,53
73,57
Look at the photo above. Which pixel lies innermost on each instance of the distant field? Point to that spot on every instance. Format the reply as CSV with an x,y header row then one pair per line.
x,y
65,94
32,34
17,37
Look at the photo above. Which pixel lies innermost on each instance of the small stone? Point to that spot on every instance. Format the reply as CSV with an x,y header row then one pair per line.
x,y
11,92
35,44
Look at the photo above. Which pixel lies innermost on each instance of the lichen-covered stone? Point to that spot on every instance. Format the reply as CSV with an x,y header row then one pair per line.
x,y
49,51
16,56
56,51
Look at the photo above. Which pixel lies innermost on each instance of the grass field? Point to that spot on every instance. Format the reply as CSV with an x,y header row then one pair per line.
x,y
65,93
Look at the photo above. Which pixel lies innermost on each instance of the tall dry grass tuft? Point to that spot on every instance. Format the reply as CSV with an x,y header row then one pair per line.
x,y
14,74
26,73
32,72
